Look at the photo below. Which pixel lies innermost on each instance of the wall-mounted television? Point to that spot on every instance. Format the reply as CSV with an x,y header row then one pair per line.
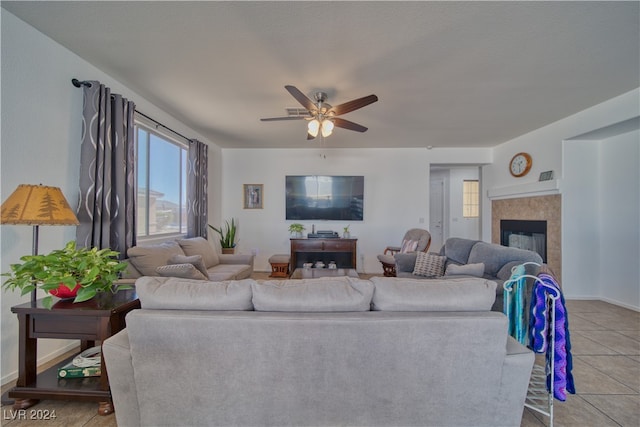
x,y
323,197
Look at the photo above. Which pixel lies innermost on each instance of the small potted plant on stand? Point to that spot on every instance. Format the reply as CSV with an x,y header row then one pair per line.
x,y
79,273
227,236
345,232
296,230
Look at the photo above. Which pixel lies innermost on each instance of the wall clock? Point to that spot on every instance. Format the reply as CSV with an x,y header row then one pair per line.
x,y
520,164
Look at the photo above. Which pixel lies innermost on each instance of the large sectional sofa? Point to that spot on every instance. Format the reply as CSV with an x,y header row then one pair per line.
x,y
193,258
317,352
473,258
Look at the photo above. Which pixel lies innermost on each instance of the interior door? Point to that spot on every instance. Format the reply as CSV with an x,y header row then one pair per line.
x,y
436,214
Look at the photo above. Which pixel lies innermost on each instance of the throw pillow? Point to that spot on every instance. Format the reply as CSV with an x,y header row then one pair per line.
x,y
147,258
196,260
429,265
200,246
183,271
408,246
405,263
476,270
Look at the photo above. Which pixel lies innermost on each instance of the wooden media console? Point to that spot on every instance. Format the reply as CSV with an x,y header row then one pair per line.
x,y
341,251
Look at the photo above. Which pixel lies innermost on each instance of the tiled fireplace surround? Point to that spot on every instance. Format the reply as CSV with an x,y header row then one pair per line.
x,y
545,208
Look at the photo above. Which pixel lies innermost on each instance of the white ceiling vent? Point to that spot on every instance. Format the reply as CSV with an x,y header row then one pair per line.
x,y
297,112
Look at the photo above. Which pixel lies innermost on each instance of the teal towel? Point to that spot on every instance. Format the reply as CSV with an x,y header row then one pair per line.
x,y
513,306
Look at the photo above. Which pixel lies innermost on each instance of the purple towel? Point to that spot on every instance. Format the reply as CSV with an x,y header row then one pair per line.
x,y
540,334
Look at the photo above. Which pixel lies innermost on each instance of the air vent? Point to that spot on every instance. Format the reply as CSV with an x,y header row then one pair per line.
x,y
297,112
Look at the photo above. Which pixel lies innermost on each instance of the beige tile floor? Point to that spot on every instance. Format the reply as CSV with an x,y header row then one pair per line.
x,y
605,343
606,354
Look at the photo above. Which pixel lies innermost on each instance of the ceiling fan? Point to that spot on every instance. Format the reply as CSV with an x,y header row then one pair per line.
x,y
321,116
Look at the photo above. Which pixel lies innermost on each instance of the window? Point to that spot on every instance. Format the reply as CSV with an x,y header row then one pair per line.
x,y
471,199
161,184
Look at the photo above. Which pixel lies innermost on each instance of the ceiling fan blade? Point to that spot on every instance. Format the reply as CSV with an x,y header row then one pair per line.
x,y
353,105
301,98
310,137
273,119
346,124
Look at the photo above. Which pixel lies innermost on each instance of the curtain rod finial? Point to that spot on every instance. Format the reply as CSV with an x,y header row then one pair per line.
x,y
78,83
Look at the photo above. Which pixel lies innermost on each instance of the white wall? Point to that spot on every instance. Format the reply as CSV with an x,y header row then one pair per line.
x,y
619,214
396,195
580,213
40,136
601,211
581,170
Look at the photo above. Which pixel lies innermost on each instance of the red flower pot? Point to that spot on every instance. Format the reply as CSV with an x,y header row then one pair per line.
x,y
64,292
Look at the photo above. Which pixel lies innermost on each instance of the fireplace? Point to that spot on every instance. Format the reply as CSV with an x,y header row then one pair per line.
x,y
525,234
546,208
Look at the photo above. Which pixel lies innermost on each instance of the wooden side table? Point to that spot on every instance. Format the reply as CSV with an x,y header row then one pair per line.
x,y
89,321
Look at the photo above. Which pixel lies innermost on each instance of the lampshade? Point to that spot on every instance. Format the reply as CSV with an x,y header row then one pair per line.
x,y
37,205
313,127
327,127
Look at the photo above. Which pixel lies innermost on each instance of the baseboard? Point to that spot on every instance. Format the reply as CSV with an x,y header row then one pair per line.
x,y
12,376
607,300
621,304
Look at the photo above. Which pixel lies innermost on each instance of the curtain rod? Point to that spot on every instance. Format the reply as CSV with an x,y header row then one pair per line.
x,y
161,125
80,83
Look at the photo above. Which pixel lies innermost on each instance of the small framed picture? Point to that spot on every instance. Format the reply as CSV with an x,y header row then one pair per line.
x,y
546,176
253,194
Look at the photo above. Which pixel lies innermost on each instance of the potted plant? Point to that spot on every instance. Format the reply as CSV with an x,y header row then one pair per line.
x,y
81,273
296,229
345,232
227,236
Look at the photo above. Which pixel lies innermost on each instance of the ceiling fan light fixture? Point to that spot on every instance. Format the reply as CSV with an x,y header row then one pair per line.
x,y
322,116
327,127
313,127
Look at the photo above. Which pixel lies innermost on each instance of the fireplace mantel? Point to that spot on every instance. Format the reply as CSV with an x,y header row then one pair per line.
x,y
528,189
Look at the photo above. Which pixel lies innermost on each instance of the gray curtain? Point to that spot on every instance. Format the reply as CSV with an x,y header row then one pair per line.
x,y
197,189
106,203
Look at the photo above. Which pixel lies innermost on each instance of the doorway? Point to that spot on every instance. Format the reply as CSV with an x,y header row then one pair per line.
x,y
447,215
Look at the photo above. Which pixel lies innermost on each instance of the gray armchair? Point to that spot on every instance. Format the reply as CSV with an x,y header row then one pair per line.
x,y
414,240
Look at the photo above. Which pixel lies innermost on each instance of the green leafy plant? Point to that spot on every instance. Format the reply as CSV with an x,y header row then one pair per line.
x,y
346,229
94,270
227,234
296,228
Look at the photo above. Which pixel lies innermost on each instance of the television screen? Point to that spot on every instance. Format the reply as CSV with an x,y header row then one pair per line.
x,y
333,198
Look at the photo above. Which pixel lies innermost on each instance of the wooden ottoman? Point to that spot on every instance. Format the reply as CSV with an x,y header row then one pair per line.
x,y
279,265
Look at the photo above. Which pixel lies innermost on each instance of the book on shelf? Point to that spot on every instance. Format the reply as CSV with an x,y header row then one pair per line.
x,y
72,371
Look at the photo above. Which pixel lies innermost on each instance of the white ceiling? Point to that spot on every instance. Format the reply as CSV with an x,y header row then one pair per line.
x,y
448,74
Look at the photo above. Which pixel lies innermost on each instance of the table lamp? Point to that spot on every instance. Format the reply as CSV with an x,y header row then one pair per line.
x,y
37,205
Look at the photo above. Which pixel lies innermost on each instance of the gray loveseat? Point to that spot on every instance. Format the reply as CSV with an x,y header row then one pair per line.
x,y
192,258
317,352
463,258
